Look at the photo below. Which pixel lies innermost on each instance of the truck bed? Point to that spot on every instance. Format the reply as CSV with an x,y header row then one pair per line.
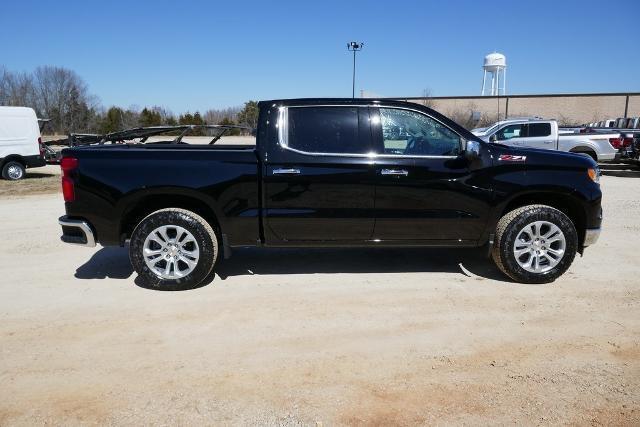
x,y
113,178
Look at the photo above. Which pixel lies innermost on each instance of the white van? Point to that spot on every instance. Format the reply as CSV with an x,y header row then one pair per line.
x,y
20,143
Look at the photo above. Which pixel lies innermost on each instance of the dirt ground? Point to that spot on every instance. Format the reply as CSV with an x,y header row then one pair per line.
x,y
318,337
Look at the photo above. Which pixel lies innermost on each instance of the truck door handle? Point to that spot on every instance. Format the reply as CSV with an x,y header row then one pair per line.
x,y
396,172
282,171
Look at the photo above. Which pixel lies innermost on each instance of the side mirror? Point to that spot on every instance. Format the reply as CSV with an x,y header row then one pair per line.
x,y
493,138
472,150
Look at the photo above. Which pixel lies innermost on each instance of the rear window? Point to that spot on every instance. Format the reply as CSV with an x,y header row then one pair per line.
x,y
324,130
539,129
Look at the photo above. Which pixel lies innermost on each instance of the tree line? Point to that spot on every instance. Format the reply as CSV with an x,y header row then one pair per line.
x,y
63,97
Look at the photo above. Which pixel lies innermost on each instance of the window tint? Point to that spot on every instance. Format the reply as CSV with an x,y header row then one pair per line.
x,y
414,134
539,129
511,131
324,130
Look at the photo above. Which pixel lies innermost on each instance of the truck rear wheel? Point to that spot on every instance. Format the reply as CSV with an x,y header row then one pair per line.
x,y
535,244
173,249
13,171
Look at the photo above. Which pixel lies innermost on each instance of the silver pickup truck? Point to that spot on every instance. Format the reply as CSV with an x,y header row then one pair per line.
x,y
536,133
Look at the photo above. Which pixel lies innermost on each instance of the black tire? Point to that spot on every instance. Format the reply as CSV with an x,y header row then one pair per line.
x,y
13,171
201,231
510,226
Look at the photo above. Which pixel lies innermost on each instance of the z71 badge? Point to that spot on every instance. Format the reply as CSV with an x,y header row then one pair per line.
x,y
510,158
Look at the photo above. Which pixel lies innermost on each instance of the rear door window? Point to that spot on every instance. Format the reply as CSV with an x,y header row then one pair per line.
x,y
324,130
539,130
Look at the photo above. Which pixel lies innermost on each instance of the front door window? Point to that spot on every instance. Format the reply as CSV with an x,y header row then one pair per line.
x,y
510,132
410,133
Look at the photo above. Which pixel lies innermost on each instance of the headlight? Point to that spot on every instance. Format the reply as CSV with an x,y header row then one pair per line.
x,y
594,174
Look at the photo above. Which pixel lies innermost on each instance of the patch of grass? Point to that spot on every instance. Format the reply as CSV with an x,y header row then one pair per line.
x,y
32,183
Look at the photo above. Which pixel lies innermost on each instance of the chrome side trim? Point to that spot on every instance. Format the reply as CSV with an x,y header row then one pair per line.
x,y
283,134
591,236
82,225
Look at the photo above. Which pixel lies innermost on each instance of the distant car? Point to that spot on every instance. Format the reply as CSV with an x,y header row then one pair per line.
x,y
628,141
536,133
20,143
490,129
621,123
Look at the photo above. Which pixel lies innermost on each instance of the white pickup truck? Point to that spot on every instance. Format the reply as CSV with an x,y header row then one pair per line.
x,y
536,133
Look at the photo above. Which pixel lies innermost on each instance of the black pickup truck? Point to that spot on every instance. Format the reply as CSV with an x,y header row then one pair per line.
x,y
332,173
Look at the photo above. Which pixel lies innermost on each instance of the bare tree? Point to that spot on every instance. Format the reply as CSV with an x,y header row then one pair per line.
x,y
62,96
427,101
469,116
216,116
16,88
166,116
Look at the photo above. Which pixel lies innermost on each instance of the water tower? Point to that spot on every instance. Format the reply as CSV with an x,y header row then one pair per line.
x,y
495,64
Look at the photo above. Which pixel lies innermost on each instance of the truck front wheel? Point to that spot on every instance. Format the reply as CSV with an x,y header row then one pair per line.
x,y
173,249
535,244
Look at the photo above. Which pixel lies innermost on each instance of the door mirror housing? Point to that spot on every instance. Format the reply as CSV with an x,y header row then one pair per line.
x,y
493,138
472,150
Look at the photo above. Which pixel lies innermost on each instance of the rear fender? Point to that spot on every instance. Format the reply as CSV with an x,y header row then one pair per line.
x,y
142,202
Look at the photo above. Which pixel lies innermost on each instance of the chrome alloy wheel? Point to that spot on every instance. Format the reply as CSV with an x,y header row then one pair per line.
x,y
171,252
539,246
14,172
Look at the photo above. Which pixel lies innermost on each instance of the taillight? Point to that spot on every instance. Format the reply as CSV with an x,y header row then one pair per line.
x,y
41,147
68,165
627,142
616,142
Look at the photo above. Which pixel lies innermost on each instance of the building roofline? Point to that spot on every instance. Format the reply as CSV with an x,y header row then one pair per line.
x,y
548,95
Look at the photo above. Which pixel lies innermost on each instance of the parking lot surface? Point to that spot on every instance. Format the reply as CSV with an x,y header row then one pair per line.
x,y
310,337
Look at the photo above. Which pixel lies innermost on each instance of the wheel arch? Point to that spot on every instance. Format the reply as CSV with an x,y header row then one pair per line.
x,y
13,158
145,205
568,204
585,149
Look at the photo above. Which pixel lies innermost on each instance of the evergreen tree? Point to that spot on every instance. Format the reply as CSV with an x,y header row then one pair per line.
x,y
185,119
112,121
248,116
230,132
150,118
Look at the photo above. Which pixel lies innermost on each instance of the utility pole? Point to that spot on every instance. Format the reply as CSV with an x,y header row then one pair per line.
x,y
354,47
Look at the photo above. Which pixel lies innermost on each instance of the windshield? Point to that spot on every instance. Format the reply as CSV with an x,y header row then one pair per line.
x,y
493,128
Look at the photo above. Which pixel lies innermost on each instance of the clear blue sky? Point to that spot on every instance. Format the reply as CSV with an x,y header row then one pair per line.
x,y
195,55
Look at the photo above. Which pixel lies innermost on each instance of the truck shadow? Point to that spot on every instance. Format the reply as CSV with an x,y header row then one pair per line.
x,y
39,175
620,170
338,260
109,262
113,262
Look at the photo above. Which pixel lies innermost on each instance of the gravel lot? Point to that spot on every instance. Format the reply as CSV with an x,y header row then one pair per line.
x,y
317,337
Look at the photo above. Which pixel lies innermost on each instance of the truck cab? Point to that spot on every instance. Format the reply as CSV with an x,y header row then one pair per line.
x,y
546,135
526,133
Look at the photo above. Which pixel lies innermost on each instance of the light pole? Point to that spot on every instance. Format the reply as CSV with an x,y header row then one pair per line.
x,y
354,47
